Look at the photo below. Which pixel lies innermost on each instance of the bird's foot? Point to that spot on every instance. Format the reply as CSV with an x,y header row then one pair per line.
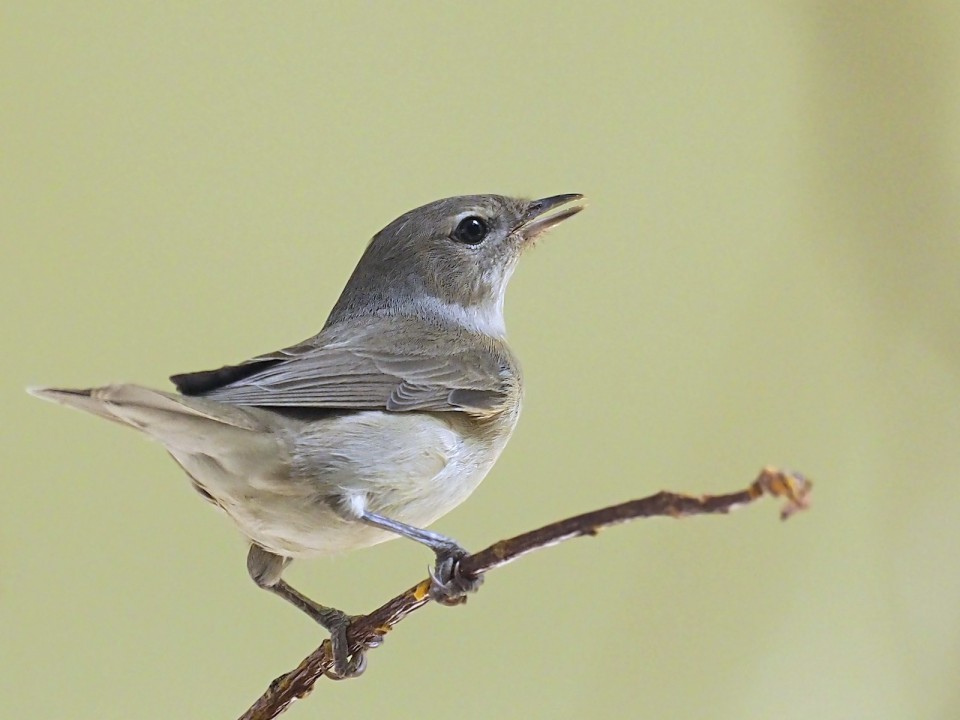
x,y
449,585
345,665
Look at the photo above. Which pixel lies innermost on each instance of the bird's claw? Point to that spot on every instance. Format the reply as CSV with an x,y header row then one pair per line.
x,y
346,666
450,586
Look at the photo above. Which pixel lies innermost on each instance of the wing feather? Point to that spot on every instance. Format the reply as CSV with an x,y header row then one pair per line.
x,y
376,368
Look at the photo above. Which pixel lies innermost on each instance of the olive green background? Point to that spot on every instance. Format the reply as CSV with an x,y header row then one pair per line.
x,y
767,273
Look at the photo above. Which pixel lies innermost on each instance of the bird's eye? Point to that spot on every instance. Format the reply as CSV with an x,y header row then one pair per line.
x,y
471,230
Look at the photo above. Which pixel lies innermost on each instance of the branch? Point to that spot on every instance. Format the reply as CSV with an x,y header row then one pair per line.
x,y
300,681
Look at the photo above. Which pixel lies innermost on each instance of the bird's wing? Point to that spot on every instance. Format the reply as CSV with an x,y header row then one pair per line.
x,y
378,367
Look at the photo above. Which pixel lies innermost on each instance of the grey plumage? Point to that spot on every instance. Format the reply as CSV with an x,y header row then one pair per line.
x,y
394,363
375,427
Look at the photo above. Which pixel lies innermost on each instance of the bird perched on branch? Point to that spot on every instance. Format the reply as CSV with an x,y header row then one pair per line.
x,y
372,429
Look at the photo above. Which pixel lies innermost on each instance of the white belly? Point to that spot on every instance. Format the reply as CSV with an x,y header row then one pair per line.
x,y
410,467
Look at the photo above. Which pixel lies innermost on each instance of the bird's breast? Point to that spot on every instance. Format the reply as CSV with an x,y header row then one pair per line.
x,y
411,467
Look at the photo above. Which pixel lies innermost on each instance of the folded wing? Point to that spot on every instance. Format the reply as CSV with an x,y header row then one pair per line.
x,y
375,367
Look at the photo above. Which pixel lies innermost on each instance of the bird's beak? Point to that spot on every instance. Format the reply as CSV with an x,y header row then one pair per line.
x,y
538,219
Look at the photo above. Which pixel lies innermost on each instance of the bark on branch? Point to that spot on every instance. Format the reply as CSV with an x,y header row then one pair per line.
x,y
299,682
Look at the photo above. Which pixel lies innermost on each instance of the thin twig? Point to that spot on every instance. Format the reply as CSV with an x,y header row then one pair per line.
x,y
300,681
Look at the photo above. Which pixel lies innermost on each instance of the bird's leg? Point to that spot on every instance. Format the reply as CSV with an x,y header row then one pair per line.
x,y
450,586
265,568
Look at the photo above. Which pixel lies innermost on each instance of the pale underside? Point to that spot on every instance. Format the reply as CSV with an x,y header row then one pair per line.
x,y
412,467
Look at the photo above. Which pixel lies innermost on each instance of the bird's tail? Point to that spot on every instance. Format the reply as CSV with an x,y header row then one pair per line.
x,y
180,423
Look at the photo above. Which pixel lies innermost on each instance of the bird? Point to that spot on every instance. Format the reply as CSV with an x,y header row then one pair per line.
x,y
376,426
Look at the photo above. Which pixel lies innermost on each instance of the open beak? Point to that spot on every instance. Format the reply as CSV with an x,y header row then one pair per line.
x,y
538,218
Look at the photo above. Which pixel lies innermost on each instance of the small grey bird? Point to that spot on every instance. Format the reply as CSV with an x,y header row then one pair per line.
x,y
375,427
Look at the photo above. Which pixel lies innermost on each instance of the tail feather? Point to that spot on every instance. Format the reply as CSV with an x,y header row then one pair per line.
x,y
80,399
176,421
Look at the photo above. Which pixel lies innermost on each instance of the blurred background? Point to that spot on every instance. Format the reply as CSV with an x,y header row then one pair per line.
x,y
767,273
